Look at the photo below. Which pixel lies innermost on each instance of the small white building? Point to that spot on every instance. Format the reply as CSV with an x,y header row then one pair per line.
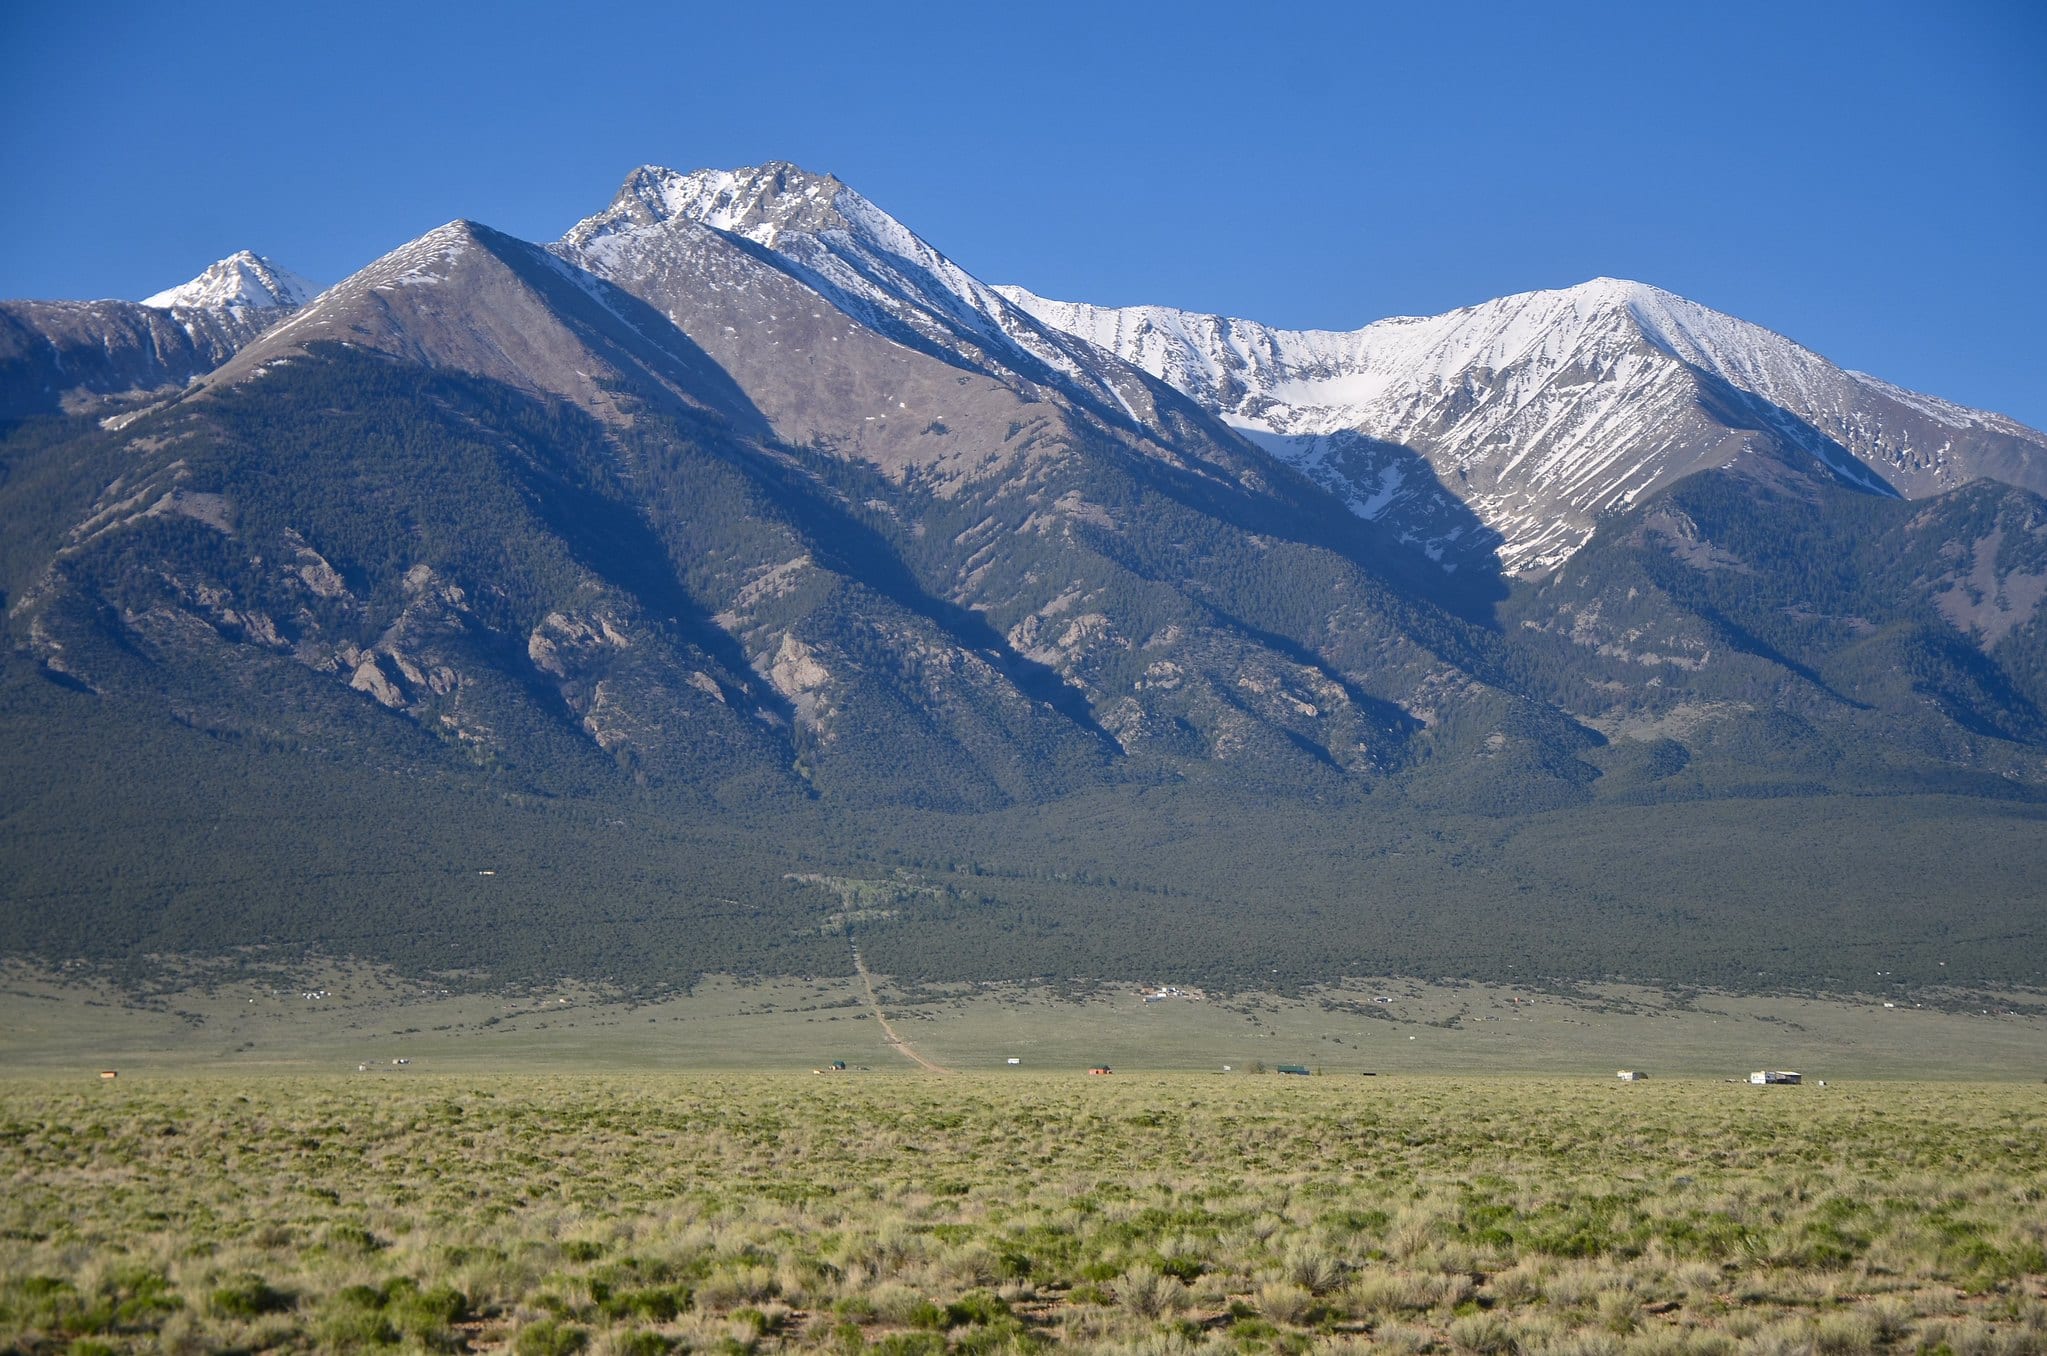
x,y
1775,1076
1631,1075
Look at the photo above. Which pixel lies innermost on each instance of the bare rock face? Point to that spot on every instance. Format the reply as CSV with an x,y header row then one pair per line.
x,y
469,299
851,334
72,355
369,678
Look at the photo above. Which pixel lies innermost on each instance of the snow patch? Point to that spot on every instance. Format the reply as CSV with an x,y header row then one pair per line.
x,y
244,281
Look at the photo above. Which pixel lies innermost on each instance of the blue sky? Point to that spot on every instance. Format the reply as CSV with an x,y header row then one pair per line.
x,y
1870,179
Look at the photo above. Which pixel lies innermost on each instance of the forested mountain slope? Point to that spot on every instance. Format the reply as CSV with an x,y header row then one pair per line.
x,y
738,570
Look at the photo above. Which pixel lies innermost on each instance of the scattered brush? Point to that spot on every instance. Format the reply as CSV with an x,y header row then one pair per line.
x,y
895,1215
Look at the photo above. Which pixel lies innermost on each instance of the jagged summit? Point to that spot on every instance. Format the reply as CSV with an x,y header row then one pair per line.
x,y
758,202
242,281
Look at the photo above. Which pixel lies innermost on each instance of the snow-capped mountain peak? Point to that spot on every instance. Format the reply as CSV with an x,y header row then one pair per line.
x,y
759,203
1543,410
861,259
242,281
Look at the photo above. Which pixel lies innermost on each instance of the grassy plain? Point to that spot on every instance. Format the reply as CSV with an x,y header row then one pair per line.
x,y
557,1169
907,1212
263,1022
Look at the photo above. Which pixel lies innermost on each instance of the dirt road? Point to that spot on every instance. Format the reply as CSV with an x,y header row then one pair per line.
x,y
903,1047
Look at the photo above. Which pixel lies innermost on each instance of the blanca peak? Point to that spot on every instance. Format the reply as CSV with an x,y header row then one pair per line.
x,y
829,238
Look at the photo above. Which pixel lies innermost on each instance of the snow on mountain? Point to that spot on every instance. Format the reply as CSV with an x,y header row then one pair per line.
x,y
1543,410
861,259
242,281
1495,435
56,354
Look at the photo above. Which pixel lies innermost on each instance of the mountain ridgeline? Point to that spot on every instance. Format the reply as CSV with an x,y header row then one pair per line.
x,y
738,571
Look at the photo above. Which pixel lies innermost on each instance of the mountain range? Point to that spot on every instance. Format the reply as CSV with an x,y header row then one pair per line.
x,y
747,571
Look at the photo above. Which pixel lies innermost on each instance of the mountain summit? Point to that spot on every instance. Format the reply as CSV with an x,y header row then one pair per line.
x,y
242,281
759,203
866,263
72,355
741,540
1543,411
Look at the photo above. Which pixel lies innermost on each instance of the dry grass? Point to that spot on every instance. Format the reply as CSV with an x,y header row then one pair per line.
x,y
907,1214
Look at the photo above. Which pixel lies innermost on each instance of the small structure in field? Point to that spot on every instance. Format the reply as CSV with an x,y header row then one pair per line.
x,y
1101,1069
110,1073
1014,1060
1776,1076
1631,1075
1297,1070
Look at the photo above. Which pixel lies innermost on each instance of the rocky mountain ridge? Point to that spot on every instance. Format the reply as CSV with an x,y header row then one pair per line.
x,y
1545,410
744,502
80,355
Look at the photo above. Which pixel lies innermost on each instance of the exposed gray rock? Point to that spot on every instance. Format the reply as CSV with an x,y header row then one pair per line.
x,y
1539,413
71,355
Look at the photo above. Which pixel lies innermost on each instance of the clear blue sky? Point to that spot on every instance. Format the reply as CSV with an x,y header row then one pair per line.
x,y
1870,179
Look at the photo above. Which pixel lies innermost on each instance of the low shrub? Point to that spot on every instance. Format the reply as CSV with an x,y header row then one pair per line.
x,y
249,1297
550,1337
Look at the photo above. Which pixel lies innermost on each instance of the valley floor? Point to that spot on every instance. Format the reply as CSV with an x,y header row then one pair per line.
x,y
333,1019
912,1212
